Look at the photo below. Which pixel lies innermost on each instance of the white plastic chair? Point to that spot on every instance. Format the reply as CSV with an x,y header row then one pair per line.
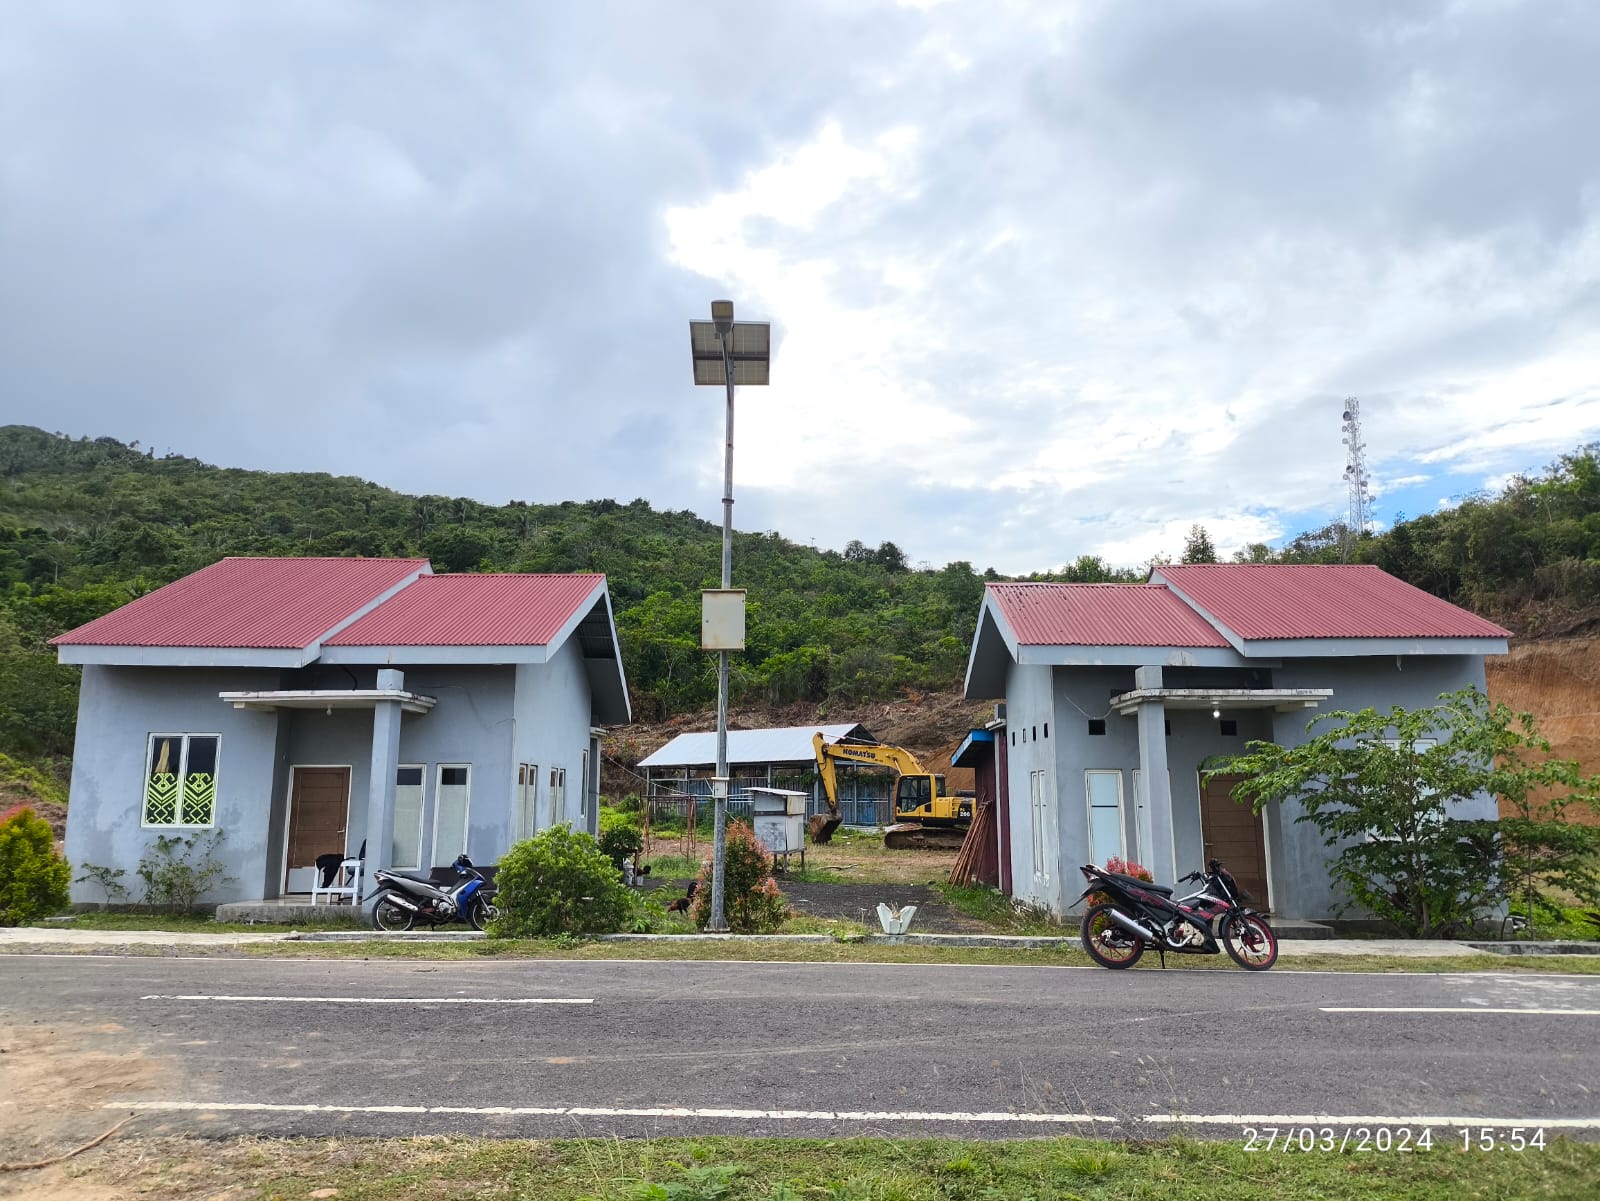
x,y
350,874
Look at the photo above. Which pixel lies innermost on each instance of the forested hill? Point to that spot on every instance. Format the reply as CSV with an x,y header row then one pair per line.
x,y
86,524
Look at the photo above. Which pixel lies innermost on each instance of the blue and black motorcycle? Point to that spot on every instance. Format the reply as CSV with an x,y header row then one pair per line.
x,y
403,899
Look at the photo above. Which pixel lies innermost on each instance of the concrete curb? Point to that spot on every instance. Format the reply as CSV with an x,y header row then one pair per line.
x,y
1538,948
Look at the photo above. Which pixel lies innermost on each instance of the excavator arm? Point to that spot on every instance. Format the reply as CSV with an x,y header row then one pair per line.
x,y
828,754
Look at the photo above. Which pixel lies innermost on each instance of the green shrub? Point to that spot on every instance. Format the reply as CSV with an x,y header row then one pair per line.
x,y
620,838
33,878
558,882
177,871
751,902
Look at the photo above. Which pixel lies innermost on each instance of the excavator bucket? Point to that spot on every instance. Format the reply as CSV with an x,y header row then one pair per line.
x,y
822,828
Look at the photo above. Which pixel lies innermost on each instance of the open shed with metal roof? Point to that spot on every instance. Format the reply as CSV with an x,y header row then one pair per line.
x,y
778,757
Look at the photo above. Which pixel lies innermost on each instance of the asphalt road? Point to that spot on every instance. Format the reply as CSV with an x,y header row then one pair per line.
x,y
543,1049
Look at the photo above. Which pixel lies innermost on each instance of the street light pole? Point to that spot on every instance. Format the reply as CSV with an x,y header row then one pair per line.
x,y
727,352
719,806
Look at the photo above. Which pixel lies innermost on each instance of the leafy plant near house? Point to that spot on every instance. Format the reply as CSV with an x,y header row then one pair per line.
x,y
620,838
751,901
559,882
108,878
177,871
33,878
1385,788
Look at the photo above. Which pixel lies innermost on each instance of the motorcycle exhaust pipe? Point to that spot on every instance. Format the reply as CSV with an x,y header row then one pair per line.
x,y
1128,926
404,902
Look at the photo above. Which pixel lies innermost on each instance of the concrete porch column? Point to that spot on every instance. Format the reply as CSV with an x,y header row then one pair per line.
x,y
380,780
1152,719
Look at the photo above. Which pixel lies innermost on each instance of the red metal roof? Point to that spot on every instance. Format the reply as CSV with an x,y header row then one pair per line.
x,y
481,609
268,604
1282,600
1101,615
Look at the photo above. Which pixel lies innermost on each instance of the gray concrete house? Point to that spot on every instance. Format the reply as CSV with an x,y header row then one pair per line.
x,y
303,707
1117,696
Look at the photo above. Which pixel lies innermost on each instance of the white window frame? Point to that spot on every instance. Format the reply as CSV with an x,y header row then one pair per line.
x,y
1417,744
466,810
1088,814
1044,850
583,794
422,814
527,815
183,774
558,795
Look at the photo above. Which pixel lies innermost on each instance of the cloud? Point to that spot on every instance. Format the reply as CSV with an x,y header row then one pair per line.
x,y
1045,280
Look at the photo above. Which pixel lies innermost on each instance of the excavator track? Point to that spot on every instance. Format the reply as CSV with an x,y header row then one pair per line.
x,y
909,836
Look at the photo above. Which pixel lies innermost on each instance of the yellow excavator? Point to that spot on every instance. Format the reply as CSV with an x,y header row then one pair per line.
x,y
926,816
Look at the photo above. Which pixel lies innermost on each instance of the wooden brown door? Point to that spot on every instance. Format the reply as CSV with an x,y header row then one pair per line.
x,y
1232,833
319,805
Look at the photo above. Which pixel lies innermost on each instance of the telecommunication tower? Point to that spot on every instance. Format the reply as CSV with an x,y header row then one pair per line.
x,y
1355,475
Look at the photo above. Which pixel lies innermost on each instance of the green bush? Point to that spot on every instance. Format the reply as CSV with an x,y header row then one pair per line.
x,y
751,902
33,878
177,871
559,882
620,838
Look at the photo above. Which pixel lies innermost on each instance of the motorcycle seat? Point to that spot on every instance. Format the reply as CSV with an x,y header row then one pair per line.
x,y
412,876
1135,882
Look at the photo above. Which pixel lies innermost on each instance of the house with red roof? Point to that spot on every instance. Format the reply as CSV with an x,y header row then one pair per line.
x,y
1118,696
311,707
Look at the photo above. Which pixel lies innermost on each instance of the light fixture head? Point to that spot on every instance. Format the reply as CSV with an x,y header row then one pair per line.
x,y
1216,711
722,315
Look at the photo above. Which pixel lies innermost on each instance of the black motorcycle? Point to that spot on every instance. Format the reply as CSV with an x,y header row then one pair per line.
x,y
403,899
1129,914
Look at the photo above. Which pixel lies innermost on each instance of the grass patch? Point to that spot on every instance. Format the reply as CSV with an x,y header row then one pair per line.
x,y
994,908
195,923
853,1169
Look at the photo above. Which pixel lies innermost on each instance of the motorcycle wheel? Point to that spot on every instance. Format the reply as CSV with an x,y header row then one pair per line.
x,y
386,915
480,913
1109,945
1250,941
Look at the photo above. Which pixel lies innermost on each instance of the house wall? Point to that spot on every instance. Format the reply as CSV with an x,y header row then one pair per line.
x,y
1302,887
473,723
553,712
118,709
1029,707
1079,694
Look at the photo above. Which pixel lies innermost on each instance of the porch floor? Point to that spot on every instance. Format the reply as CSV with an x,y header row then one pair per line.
x,y
295,907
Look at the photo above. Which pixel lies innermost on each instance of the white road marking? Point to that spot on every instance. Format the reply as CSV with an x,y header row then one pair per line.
x,y
380,1000
593,1111
1454,1009
1344,1119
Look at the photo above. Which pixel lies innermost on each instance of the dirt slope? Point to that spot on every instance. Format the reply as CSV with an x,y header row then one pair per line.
x,y
1558,681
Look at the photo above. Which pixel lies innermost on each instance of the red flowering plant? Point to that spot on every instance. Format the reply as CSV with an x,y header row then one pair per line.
x,y
1123,867
752,903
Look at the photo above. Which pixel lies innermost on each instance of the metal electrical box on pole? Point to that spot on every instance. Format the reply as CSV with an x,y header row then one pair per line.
x,y
722,619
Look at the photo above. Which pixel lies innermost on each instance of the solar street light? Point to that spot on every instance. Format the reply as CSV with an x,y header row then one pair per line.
x,y
729,353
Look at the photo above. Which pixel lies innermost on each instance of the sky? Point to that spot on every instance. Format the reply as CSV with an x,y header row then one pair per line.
x,y
1045,279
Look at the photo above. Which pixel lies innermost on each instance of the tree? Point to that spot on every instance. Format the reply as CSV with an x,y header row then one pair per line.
x,y
1385,788
1197,547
